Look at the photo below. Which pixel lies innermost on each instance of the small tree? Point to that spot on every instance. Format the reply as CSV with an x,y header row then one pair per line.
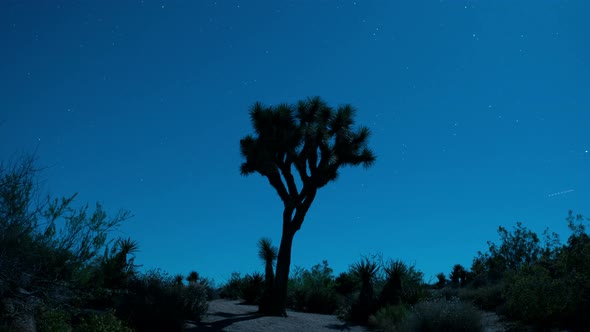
x,y
316,141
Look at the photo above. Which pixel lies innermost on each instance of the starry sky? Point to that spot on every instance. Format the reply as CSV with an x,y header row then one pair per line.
x,y
479,112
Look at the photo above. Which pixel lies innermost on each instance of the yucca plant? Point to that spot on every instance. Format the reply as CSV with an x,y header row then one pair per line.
x,y
392,290
268,253
192,277
178,279
441,280
118,265
252,288
366,271
403,284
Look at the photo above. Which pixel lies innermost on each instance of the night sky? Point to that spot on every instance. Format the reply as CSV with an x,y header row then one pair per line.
x,y
480,114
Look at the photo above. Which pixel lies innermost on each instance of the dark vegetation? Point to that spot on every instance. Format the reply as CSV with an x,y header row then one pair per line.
x,y
60,270
532,284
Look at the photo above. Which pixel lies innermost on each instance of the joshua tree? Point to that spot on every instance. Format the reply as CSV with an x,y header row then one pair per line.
x,y
313,139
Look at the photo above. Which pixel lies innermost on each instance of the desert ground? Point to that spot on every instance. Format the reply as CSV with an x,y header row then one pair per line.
x,y
224,315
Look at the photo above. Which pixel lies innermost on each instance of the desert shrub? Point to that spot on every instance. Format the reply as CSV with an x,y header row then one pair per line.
x,y
252,287
486,297
313,290
403,284
232,289
211,290
441,280
388,318
154,301
442,315
195,301
555,290
48,247
517,248
448,293
345,284
534,297
366,272
53,320
100,322
458,276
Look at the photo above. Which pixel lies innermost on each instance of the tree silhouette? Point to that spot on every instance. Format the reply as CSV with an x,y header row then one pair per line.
x,y
192,278
313,139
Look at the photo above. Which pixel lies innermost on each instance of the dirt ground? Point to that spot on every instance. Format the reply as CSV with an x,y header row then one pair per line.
x,y
232,316
224,315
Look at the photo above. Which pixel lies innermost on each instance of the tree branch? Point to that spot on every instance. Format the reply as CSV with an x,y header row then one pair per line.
x,y
275,180
303,208
286,171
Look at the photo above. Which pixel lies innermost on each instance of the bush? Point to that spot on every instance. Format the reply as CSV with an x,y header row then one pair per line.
x,y
388,318
155,302
443,315
48,247
54,319
101,322
232,290
403,284
252,287
555,290
486,297
195,301
314,290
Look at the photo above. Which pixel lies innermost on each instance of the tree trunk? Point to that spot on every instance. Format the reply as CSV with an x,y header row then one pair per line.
x,y
279,296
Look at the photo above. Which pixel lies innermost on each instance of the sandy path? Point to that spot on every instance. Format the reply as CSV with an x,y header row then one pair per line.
x,y
226,315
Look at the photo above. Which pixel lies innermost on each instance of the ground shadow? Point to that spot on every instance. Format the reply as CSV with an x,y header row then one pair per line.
x,y
219,325
340,327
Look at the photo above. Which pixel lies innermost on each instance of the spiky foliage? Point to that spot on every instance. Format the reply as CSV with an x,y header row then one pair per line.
x,y
441,280
178,280
366,271
252,288
118,265
403,284
311,136
268,254
312,139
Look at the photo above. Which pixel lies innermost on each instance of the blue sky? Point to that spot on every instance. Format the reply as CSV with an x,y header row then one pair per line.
x,y
479,112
